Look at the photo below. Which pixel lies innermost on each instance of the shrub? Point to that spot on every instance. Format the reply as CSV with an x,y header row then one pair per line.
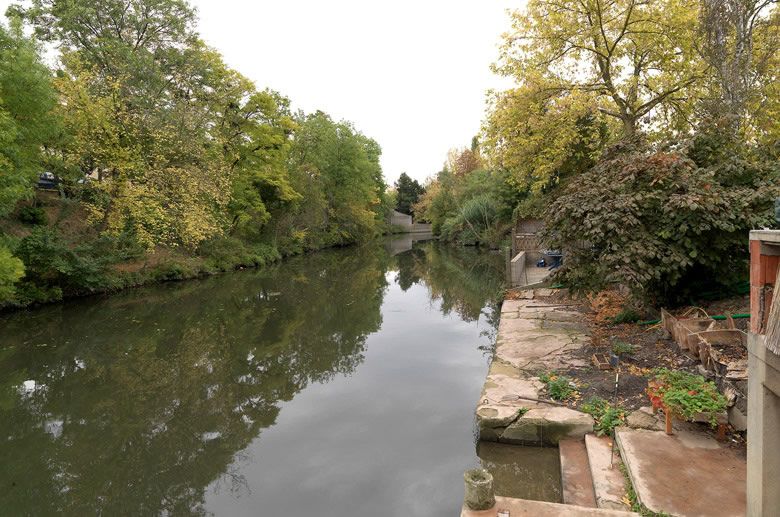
x,y
228,253
649,220
606,416
11,270
172,271
476,221
559,387
50,263
626,316
33,215
28,293
621,348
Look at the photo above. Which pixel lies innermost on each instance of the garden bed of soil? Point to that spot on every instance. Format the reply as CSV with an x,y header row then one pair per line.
x,y
650,349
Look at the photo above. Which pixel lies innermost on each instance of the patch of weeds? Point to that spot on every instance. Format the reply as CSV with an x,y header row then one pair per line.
x,y
33,215
636,506
559,387
607,417
626,316
622,348
687,394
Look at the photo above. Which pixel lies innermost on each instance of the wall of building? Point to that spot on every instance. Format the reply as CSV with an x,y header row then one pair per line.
x,y
763,436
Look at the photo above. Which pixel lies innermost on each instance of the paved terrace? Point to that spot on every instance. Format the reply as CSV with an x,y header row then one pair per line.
x,y
535,335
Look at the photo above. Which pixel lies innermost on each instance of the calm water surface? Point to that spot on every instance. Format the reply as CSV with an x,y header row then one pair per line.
x,y
337,384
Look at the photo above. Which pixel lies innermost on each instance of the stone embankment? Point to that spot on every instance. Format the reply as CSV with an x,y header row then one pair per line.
x,y
536,335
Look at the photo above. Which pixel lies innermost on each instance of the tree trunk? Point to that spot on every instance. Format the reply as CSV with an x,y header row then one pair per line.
x,y
629,126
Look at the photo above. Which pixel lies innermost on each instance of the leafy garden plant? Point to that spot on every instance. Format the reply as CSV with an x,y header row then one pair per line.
x,y
622,348
559,387
686,394
654,220
607,416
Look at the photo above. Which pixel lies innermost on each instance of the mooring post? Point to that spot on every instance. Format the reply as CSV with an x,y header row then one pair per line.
x,y
479,490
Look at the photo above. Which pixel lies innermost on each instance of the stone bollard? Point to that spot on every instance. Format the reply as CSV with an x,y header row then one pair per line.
x,y
479,490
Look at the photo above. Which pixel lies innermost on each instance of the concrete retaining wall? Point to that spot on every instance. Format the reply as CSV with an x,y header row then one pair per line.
x,y
533,336
517,269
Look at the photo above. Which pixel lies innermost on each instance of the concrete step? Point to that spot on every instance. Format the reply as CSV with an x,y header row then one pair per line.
x,y
576,479
688,473
609,485
525,508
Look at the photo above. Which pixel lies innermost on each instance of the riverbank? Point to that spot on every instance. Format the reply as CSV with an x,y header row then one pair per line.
x,y
164,266
537,335
65,257
545,387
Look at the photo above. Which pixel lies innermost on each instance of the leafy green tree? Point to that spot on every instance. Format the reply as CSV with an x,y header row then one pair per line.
x,y
344,164
408,192
740,37
27,100
184,148
27,124
541,137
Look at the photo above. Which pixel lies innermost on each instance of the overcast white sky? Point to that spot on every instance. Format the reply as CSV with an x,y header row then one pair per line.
x,y
410,74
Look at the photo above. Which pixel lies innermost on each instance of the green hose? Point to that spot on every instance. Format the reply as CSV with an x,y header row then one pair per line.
x,y
719,318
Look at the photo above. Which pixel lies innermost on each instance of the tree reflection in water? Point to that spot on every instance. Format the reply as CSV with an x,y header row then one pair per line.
x,y
134,404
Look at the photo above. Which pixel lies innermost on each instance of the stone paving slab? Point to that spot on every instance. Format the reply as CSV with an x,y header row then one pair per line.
x,y
576,480
526,508
687,474
608,481
534,336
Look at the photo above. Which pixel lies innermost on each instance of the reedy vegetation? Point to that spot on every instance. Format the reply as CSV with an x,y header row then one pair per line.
x,y
185,154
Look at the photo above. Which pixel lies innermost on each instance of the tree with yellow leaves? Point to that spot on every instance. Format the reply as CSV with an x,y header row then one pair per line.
x,y
636,58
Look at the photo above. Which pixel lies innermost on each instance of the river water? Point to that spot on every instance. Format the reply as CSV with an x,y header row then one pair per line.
x,y
341,383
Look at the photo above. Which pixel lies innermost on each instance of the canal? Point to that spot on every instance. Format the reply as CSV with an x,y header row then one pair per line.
x,y
341,383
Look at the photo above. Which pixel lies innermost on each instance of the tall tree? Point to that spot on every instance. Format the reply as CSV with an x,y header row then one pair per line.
x,y
27,123
27,100
635,57
408,193
729,27
344,165
541,137
184,147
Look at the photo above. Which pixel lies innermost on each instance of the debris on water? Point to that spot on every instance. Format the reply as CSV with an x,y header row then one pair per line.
x,y
211,435
54,428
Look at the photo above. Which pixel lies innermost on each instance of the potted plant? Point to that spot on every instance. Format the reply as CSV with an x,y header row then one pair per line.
x,y
686,396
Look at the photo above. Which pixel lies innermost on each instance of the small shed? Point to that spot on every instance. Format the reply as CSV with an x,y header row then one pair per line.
x,y
400,219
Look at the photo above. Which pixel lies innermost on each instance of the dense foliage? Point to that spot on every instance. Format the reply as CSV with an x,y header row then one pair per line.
x,y
687,395
160,147
639,133
649,219
467,202
644,134
408,192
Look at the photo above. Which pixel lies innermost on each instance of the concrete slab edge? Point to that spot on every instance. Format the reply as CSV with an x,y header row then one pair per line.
x,y
528,508
627,468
